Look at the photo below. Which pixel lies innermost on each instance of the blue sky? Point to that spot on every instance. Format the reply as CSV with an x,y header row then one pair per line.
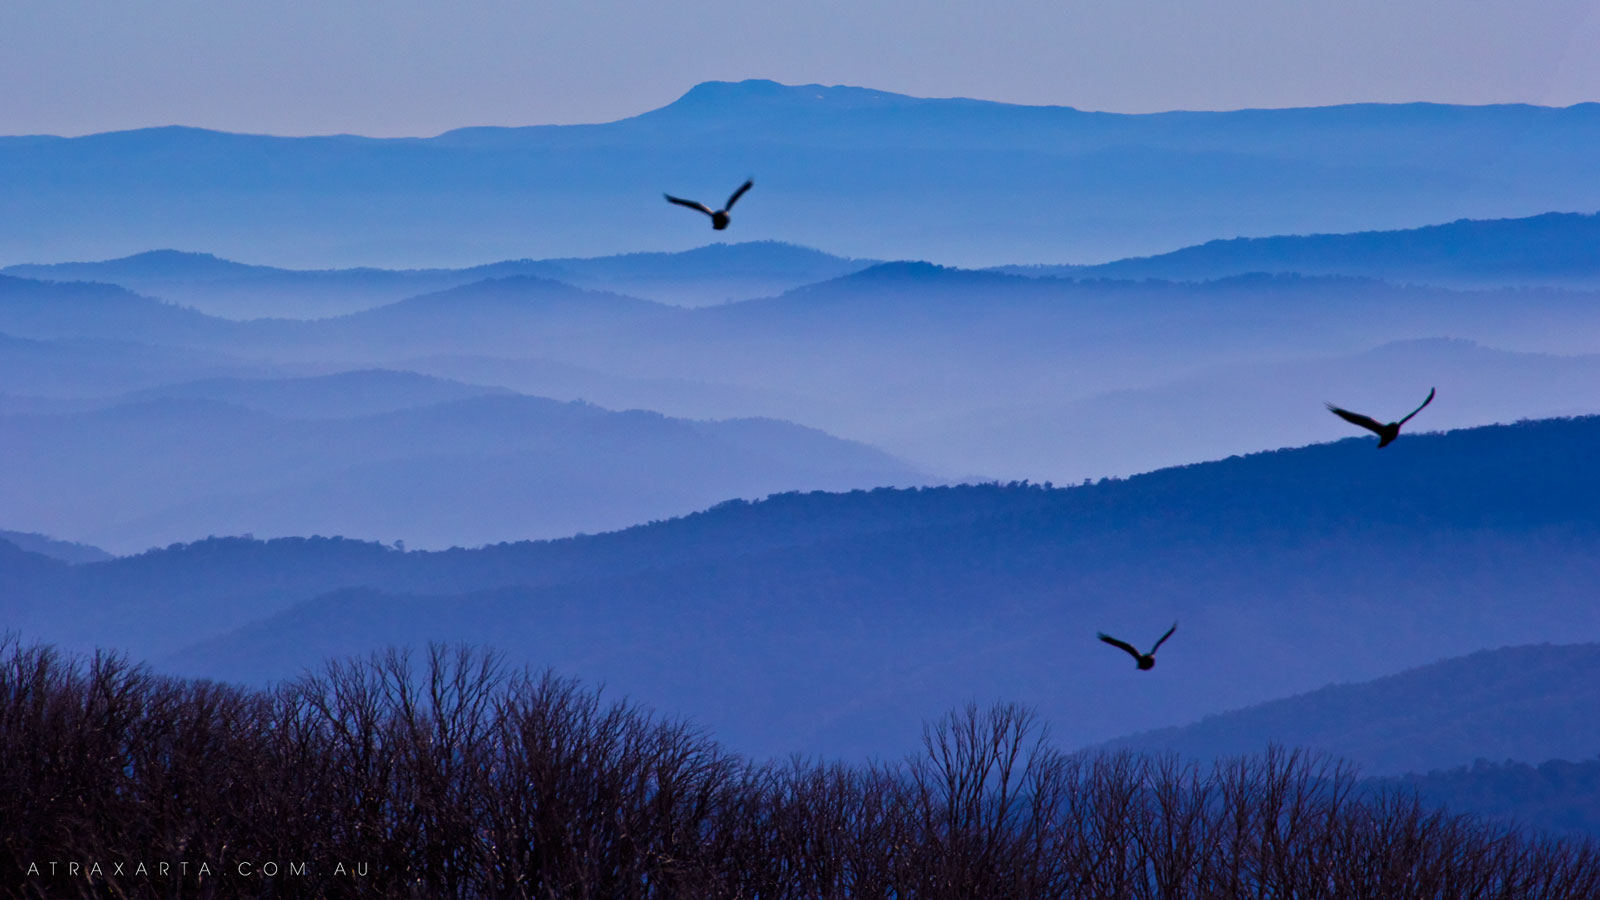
x,y
418,67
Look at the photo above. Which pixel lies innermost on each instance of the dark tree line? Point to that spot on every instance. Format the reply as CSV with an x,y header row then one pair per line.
x,y
448,776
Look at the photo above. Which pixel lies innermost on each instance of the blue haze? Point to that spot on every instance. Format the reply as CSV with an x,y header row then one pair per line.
x,y
848,170
579,384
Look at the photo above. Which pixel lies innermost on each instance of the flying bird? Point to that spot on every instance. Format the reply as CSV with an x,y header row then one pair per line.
x,y
1386,433
719,217
1146,661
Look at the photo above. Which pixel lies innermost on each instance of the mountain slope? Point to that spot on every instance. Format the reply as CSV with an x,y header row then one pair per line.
x,y
468,471
1484,537
1217,412
1553,248
87,367
65,551
1529,703
336,396
47,310
678,397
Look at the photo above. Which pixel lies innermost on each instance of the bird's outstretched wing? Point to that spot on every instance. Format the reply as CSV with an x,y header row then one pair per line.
x,y
1116,643
692,204
1371,424
739,193
1419,409
1163,638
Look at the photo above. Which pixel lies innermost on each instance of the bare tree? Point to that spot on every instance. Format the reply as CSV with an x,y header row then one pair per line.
x,y
448,776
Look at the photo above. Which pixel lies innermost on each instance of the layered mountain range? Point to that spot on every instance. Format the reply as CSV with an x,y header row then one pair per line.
x,y
845,169
809,499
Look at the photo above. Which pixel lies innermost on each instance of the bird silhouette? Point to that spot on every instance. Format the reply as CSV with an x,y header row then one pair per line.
x,y
1386,433
719,217
1146,661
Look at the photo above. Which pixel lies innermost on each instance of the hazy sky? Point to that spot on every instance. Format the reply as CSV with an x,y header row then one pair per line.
x,y
418,67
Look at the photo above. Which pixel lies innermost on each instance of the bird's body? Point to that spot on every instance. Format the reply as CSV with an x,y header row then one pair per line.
x,y
719,217
1386,432
1145,661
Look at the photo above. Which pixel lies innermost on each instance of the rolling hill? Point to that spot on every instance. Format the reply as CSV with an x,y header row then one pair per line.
x,y
876,326
507,315
703,276
964,373
233,290
714,273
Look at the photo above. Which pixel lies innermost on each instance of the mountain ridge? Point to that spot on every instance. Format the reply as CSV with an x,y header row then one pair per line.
x,y
762,91
1558,248
1030,181
717,272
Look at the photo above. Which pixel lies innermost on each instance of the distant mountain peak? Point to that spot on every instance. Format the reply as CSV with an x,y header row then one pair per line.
x,y
158,264
764,92
918,270
721,251
171,254
761,93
